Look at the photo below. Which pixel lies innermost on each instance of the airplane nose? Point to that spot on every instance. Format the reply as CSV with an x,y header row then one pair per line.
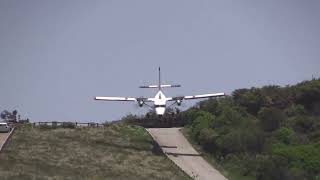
x,y
160,110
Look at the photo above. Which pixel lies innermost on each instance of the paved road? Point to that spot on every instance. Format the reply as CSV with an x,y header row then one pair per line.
x,y
180,151
3,137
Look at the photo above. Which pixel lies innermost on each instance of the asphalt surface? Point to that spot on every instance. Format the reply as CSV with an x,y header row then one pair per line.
x,y
3,137
180,151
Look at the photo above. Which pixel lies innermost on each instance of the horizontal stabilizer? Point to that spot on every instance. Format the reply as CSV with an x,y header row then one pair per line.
x,y
162,86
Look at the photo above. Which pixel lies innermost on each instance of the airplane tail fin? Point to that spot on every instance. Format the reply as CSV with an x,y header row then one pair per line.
x,y
159,86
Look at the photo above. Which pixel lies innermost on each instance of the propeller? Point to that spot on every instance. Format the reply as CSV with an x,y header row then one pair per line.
x,y
178,100
141,102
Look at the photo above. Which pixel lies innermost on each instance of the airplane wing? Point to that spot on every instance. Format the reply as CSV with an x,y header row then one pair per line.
x,y
115,98
103,98
196,96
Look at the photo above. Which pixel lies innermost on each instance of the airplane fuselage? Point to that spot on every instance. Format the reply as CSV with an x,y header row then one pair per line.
x,y
160,101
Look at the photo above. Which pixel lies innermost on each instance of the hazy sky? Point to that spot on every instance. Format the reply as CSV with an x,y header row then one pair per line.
x,y
57,55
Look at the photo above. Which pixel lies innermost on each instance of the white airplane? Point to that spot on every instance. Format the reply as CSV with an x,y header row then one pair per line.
x,y
159,100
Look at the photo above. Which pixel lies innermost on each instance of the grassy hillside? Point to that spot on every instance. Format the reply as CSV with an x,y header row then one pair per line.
x,y
114,152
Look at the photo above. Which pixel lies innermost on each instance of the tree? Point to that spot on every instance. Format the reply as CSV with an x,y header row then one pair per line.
x,y
207,137
236,94
253,140
270,118
275,96
203,120
308,94
230,143
229,117
210,105
305,157
295,110
14,112
189,115
305,124
252,99
270,167
284,135
4,114
9,116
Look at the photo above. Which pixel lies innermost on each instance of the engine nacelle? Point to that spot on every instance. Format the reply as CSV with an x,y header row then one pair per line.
x,y
179,101
140,103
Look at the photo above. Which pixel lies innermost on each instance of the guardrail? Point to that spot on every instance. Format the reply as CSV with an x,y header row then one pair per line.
x,y
61,124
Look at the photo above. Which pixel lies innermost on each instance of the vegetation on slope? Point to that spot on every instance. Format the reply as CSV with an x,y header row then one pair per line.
x,y
258,133
263,133
113,152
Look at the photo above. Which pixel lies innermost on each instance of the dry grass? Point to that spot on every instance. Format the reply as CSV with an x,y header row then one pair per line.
x,y
114,152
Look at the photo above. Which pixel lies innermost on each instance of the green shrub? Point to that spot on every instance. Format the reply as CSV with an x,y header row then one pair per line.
x,y
305,157
44,126
207,138
270,118
295,110
270,167
203,120
284,135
